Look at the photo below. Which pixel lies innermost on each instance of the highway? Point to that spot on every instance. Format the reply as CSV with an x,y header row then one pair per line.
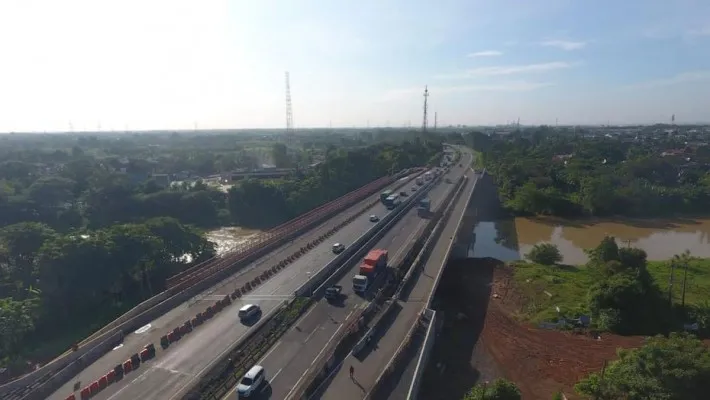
x,y
175,369
290,357
367,370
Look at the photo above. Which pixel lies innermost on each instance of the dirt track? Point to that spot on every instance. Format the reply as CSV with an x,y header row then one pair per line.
x,y
481,341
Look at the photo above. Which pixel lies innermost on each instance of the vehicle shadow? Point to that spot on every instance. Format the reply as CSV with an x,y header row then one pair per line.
x,y
265,392
251,321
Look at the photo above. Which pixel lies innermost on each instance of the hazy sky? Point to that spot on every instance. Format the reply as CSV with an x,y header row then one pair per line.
x,y
151,64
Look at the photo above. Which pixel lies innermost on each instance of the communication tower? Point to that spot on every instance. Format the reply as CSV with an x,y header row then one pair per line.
x,y
289,111
425,122
436,117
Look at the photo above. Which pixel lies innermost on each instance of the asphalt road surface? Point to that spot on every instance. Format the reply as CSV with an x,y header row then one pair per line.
x,y
289,358
367,370
175,369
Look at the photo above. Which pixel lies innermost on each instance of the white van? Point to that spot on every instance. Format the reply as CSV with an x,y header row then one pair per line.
x,y
251,381
248,311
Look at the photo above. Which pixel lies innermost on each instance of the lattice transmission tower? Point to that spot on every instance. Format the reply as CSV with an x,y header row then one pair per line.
x,y
425,122
289,110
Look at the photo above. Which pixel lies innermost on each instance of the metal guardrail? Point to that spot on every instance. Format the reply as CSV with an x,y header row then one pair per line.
x,y
47,372
391,366
321,365
373,233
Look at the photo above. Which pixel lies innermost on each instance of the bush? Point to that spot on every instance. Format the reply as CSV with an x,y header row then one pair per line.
x,y
500,389
545,254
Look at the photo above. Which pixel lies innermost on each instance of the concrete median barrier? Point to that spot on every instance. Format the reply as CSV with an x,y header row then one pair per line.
x,y
360,246
146,311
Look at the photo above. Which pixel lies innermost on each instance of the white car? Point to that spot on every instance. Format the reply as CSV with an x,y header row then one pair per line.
x,y
251,381
374,218
248,311
338,248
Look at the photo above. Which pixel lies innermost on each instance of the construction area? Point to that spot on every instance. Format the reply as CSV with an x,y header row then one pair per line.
x,y
481,340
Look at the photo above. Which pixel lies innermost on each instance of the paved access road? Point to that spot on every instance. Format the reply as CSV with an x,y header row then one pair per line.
x,y
175,369
289,358
367,370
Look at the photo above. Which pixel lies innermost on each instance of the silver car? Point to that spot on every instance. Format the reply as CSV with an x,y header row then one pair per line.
x,y
251,381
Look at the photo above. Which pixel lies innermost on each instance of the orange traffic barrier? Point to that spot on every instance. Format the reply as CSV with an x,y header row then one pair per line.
x,y
71,397
127,366
85,393
111,377
144,355
103,382
94,388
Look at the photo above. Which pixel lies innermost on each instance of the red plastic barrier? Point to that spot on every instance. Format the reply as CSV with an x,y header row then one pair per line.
x,y
94,388
213,265
127,366
85,393
103,382
111,377
71,397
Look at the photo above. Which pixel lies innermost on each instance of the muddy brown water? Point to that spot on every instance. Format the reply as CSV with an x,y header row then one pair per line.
x,y
511,239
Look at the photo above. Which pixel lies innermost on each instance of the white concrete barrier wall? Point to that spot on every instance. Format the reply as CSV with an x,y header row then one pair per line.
x,y
423,356
315,281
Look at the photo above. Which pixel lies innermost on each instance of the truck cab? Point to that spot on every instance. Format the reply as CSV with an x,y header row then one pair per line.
x,y
372,266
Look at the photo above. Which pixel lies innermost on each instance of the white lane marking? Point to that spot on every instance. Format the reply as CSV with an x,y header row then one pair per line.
x,y
137,379
273,378
325,347
118,347
310,335
143,329
269,352
303,318
202,371
409,239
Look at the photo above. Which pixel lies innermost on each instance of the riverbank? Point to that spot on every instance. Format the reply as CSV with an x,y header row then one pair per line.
x,y
509,239
482,339
540,290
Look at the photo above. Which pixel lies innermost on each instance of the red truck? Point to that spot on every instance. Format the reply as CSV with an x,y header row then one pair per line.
x,y
375,262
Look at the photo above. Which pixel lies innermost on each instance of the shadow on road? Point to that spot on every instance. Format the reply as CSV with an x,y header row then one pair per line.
x,y
382,328
462,297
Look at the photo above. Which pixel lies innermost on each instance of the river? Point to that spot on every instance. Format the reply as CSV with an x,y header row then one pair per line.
x,y
511,239
227,238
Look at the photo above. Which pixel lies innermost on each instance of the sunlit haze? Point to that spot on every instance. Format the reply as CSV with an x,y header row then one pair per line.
x,y
155,64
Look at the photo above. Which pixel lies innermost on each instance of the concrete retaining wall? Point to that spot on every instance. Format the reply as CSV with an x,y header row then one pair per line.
x,y
423,356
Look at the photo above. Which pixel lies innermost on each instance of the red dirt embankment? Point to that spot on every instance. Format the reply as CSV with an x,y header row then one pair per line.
x,y
541,362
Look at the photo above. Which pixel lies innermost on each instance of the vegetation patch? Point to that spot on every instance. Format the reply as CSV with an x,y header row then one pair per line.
x,y
619,289
92,225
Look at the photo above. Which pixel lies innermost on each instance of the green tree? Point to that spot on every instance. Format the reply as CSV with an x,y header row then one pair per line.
x,y
500,389
677,367
545,254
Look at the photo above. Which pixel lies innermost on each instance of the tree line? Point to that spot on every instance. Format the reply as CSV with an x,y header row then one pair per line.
x,y
56,287
73,189
540,171
83,241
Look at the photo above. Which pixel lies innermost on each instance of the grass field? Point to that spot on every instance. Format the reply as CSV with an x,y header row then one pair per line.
x,y
543,288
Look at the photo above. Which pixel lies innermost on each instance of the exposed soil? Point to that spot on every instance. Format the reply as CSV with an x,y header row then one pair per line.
x,y
481,340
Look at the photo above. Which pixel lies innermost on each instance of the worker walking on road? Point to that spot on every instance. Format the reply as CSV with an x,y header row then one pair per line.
x,y
352,372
